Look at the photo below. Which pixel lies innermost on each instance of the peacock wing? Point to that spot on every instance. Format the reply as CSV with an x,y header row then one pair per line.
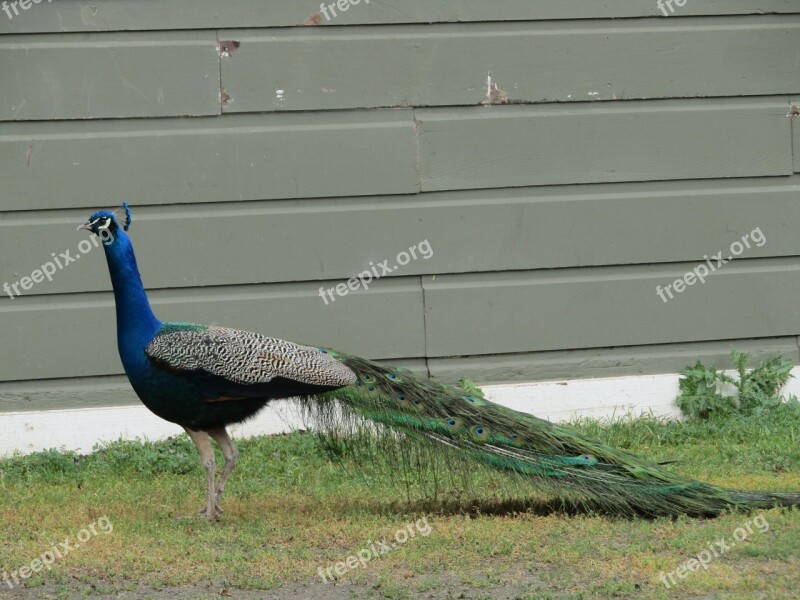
x,y
244,358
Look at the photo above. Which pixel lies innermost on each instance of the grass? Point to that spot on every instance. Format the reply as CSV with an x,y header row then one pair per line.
x,y
290,511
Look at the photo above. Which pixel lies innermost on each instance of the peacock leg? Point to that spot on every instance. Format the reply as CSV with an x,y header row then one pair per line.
x,y
231,455
203,443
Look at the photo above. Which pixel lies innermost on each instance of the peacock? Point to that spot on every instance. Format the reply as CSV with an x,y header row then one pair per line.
x,y
205,378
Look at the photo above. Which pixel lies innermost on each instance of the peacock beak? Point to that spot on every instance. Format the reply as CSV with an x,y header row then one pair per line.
x,y
87,226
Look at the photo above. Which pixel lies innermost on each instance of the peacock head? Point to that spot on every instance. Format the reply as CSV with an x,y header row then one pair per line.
x,y
104,224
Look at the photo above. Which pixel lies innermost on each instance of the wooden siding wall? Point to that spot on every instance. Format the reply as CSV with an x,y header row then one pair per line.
x,y
267,152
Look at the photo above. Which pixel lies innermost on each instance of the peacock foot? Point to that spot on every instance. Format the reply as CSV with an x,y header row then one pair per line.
x,y
211,515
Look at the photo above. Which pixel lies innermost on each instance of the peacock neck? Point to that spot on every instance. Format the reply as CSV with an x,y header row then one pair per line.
x,y
136,323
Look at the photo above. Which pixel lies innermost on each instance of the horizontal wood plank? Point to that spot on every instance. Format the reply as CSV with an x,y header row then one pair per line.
x,y
552,61
472,231
605,362
207,159
503,146
382,324
106,76
585,308
113,15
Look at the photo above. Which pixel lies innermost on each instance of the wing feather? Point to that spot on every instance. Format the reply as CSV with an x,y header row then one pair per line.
x,y
243,357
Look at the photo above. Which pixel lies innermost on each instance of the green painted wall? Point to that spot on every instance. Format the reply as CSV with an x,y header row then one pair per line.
x,y
268,152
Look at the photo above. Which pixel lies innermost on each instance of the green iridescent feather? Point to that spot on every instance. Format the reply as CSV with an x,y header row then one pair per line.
x,y
431,430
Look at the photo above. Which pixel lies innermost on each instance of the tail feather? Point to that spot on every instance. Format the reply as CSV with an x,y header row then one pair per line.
x,y
390,410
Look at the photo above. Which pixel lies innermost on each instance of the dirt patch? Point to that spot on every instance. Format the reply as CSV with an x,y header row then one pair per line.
x,y
338,591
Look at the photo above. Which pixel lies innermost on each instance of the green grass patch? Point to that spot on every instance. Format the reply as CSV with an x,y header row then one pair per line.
x,y
290,511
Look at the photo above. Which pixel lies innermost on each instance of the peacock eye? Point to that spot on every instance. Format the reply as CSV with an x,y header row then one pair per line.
x,y
104,223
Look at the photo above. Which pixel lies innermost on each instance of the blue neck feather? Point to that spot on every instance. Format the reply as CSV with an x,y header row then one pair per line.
x,y
136,323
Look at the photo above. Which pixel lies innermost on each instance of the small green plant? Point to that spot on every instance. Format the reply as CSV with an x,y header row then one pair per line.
x,y
702,388
470,388
173,455
51,464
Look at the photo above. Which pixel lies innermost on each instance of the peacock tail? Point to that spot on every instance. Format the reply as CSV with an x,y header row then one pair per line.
x,y
424,425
